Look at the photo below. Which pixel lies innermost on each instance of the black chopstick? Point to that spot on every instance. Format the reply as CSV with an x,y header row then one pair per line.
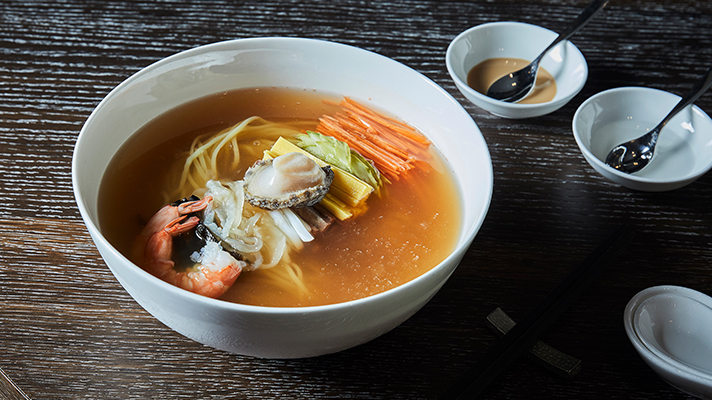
x,y
525,333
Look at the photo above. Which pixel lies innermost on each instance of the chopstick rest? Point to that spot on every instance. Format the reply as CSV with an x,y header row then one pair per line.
x,y
559,362
524,334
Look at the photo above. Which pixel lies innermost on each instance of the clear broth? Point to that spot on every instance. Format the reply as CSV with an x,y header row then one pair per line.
x,y
403,234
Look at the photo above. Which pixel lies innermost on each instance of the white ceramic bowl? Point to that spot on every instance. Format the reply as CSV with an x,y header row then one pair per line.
x,y
298,64
683,152
671,328
516,40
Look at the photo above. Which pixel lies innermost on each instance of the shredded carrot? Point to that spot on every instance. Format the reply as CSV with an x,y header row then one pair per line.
x,y
391,123
372,134
393,146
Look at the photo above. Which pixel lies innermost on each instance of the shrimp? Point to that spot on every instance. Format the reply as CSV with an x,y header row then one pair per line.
x,y
163,217
216,269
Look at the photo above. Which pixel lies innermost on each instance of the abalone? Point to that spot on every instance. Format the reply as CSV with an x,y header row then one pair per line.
x,y
290,180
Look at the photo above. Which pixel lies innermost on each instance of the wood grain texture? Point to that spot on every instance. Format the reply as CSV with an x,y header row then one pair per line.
x,y
68,330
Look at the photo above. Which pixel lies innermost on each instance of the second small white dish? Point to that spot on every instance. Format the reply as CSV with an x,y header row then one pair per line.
x,y
614,116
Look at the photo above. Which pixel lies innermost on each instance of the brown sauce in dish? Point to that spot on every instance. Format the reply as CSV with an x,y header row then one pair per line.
x,y
484,74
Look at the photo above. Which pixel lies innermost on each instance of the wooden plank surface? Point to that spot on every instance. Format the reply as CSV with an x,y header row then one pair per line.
x,y
68,329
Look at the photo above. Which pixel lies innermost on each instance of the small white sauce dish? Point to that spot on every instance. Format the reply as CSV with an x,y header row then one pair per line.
x,y
516,40
671,328
684,150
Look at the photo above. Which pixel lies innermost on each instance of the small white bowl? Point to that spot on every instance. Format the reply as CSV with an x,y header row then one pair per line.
x,y
303,64
516,40
683,152
671,328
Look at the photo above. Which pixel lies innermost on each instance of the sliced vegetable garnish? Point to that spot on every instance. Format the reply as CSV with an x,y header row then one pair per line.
x,y
338,153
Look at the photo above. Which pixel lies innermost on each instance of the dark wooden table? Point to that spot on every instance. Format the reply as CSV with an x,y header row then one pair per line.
x,y
69,330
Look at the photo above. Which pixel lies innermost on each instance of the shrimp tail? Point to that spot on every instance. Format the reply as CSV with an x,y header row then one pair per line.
x,y
160,246
190,207
163,218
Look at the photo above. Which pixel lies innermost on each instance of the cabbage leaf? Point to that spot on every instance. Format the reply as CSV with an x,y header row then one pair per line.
x,y
339,154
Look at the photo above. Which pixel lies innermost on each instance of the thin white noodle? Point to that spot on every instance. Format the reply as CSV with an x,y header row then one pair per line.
x,y
277,254
205,147
232,133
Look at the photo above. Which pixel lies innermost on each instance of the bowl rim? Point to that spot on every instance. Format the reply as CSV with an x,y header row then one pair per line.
x,y
622,175
652,353
468,233
462,85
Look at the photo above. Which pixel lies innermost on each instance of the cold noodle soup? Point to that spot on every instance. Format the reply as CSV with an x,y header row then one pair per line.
x,y
373,228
